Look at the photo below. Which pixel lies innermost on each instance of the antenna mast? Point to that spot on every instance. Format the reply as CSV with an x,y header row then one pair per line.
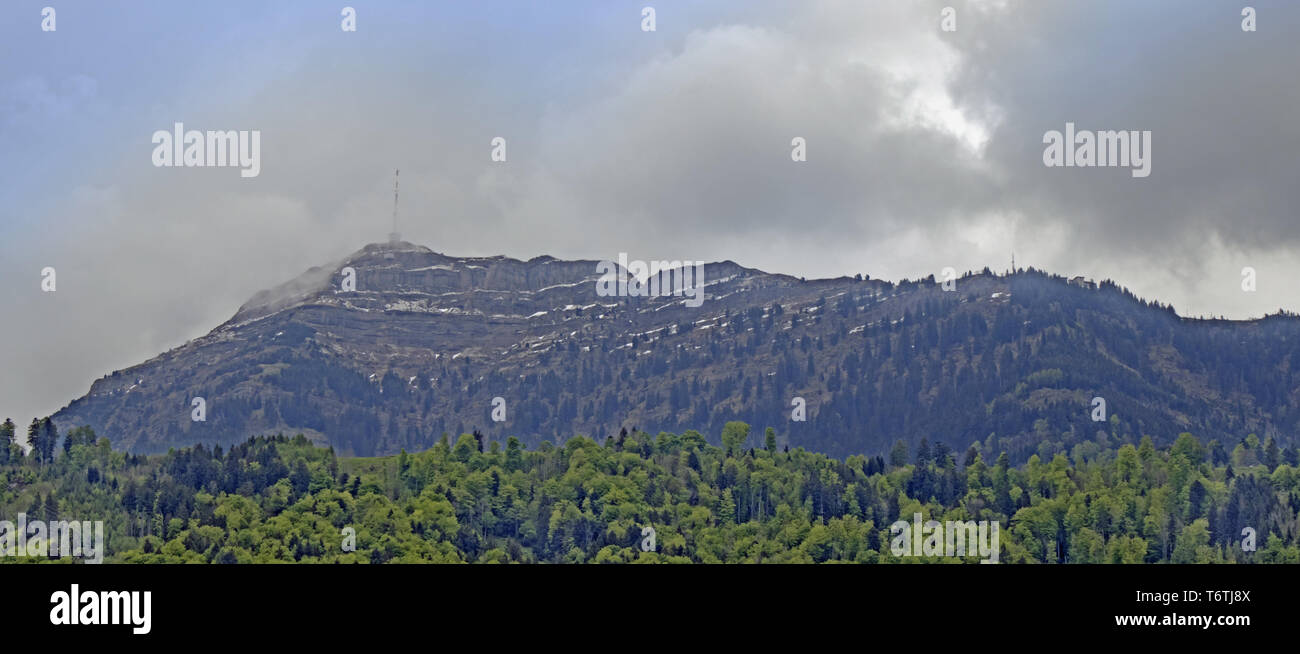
x,y
394,237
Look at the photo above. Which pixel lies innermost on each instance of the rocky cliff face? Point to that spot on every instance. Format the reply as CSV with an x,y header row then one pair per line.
x,y
426,343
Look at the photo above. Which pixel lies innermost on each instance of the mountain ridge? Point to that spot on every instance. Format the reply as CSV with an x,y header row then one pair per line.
x,y
874,361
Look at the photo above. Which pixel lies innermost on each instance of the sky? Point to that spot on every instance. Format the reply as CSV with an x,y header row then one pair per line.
x,y
924,149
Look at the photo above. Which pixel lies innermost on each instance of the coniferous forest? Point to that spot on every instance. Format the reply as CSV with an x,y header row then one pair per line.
x,y
283,499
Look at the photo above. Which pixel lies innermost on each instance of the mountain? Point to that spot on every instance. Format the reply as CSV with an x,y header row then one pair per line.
x,y
426,341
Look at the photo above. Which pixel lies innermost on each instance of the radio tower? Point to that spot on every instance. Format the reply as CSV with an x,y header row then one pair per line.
x,y
394,237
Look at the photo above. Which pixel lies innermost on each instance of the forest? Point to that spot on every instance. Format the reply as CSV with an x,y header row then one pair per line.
x,y
643,498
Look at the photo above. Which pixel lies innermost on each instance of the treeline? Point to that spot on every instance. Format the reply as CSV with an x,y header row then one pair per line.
x,y
42,440
283,499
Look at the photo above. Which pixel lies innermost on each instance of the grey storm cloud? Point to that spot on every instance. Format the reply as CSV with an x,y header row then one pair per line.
x,y
924,151
1210,93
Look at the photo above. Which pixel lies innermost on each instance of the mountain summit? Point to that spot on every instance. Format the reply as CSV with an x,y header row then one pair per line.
x,y
426,344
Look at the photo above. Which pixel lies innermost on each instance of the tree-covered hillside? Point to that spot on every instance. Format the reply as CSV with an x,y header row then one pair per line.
x,y
433,344
751,500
